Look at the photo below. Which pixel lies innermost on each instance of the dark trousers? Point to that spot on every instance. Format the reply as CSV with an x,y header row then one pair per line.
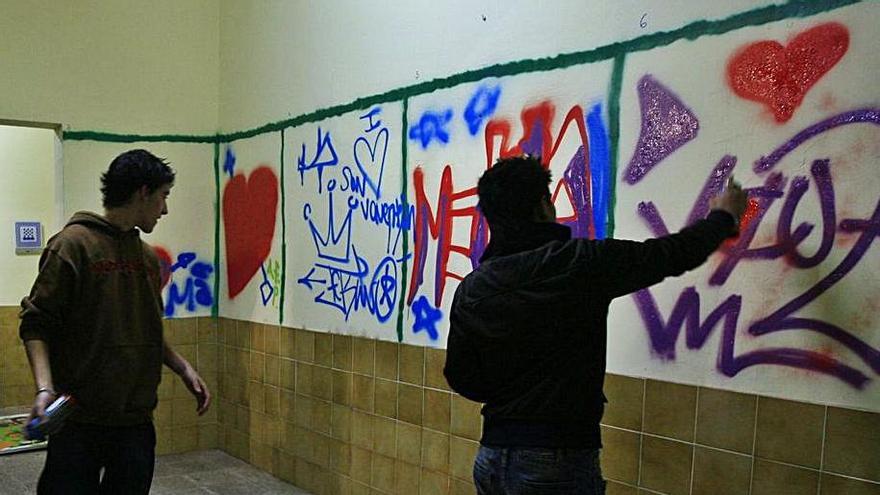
x,y
79,452
535,471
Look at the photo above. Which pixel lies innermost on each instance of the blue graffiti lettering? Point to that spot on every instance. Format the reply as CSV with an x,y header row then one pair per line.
x,y
196,289
319,161
431,126
480,107
427,317
229,161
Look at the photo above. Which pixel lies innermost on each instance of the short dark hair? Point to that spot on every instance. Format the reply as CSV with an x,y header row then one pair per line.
x,y
129,172
512,189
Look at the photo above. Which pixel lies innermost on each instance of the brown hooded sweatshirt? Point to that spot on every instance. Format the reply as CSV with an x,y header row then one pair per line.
x,y
97,304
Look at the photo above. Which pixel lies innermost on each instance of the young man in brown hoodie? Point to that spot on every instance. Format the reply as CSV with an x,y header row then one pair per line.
x,y
92,327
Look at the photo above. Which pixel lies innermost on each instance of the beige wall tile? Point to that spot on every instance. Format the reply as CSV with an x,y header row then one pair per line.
x,y
666,465
185,439
832,484
612,488
258,334
208,437
386,398
462,453
288,342
362,429
342,352
409,443
465,419
383,473
257,367
433,483
625,398
670,409
340,422
305,346
363,392
412,364
726,420
322,382
272,340
363,355
361,464
720,473
340,457
273,370
435,359
438,405
304,378
288,404
435,451
409,403
342,385
789,431
771,478
620,455
852,443
406,478
387,359
384,436
323,349
288,374
321,416
302,416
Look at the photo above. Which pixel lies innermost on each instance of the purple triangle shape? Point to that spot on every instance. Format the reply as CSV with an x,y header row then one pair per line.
x,y
667,124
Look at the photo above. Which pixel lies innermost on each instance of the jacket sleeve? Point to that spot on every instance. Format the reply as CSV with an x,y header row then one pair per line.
x,y
42,311
463,368
622,267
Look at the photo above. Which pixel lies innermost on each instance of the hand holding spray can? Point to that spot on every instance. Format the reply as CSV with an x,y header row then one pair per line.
x,y
56,414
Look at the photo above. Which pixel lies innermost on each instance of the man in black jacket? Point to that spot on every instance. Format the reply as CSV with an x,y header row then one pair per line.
x,y
528,328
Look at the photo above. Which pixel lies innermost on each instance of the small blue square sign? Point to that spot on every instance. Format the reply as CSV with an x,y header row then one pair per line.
x,y
28,237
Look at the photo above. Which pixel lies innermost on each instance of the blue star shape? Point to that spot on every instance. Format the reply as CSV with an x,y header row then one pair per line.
x,y
427,317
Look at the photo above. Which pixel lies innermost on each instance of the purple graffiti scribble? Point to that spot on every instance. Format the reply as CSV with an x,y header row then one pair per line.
x,y
533,145
865,115
686,312
576,180
667,124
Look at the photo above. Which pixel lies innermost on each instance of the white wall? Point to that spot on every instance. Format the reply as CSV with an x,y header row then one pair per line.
x,y
27,193
124,66
280,59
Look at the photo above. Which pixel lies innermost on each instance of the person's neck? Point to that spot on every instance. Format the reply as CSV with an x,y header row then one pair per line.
x,y
120,218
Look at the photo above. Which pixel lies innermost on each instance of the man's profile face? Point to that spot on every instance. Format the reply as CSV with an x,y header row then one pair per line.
x,y
153,206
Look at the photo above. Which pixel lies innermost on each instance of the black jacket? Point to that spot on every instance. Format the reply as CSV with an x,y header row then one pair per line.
x,y
528,327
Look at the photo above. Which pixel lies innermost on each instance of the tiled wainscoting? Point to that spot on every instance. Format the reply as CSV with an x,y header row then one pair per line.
x,y
337,414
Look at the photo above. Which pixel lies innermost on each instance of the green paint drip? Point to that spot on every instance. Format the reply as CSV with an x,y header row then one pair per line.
x,y
404,174
215,309
692,31
283,236
614,131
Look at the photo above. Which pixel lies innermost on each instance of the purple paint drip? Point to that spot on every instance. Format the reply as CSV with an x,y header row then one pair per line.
x,y
576,180
667,124
714,184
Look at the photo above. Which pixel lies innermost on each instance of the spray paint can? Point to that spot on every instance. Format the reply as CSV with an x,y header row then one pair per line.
x,y
56,414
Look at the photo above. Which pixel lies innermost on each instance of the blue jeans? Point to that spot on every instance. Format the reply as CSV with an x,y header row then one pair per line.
x,y
537,471
79,451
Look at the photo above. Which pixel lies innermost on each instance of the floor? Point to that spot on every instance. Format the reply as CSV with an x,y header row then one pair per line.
x,y
210,472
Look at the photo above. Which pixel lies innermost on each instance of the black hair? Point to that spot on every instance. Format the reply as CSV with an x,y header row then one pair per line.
x,y
129,172
512,189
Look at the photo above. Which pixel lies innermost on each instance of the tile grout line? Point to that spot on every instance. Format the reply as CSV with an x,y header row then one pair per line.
x,y
641,432
754,445
822,451
694,444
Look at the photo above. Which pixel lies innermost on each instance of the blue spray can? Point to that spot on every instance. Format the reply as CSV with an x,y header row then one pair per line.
x,y
56,414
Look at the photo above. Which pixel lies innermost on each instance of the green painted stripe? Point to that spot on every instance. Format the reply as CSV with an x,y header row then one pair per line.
x,y
215,309
404,174
692,31
614,131
283,236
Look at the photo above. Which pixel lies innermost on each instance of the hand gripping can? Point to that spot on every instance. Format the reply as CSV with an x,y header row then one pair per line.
x,y
56,413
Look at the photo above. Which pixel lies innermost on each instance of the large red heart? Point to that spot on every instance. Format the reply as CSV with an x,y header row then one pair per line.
x,y
249,211
778,76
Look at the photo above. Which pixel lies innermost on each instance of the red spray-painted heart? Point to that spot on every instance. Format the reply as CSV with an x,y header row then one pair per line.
x,y
249,211
778,76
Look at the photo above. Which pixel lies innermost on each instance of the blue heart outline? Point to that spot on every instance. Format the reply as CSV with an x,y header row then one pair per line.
x,y
376,188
